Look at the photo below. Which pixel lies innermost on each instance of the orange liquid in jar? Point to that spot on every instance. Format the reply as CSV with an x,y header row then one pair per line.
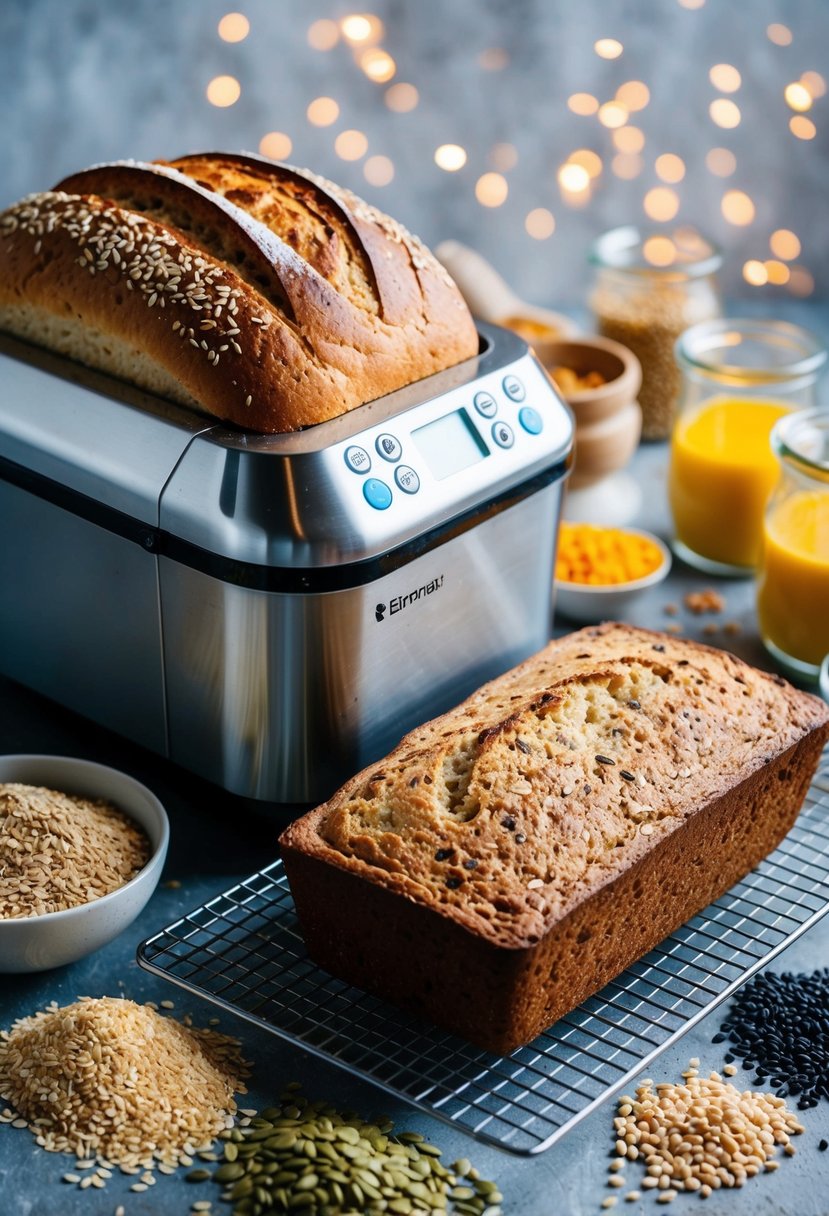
x,y
793,588
722,472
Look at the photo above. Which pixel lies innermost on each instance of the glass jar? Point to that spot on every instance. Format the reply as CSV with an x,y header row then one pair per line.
x,y
649,287
738,378
793,579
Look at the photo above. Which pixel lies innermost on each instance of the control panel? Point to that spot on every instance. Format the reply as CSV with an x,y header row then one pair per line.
x,y
417,451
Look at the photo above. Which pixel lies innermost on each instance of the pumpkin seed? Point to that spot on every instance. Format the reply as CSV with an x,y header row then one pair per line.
x,y
229,1172
301,1155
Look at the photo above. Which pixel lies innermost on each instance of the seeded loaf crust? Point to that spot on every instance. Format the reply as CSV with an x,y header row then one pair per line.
x,y
248,289
509,858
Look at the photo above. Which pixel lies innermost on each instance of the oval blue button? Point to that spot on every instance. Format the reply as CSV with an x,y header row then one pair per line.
x,y
377,494
531,420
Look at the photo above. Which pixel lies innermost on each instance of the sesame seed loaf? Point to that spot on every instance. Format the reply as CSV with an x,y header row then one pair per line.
x,y
509,858
253,291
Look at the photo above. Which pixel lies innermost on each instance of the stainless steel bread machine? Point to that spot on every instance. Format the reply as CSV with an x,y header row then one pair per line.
x,y
274,612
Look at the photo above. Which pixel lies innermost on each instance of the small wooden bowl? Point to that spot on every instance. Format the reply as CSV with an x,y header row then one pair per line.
x,y
608,419
618,366
604,447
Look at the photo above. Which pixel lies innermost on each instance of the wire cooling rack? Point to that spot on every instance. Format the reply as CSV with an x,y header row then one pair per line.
x,y
243,951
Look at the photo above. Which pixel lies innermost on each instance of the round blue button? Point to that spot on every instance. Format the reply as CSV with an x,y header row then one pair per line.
x,y
377,494
531,420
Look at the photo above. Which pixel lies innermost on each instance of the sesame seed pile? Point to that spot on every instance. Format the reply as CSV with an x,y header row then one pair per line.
x,y
119,1085
699,1136
778,1024
58,851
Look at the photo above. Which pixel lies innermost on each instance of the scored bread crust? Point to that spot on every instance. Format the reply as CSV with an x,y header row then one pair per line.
x,y
253,291
524,848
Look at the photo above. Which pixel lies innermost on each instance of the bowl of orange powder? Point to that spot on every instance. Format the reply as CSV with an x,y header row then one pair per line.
x,y
600,570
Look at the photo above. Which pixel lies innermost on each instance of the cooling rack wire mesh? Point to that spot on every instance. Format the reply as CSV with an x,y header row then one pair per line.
x,y
242,950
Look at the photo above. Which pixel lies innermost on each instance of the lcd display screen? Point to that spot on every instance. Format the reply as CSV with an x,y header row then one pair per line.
x,y
449,444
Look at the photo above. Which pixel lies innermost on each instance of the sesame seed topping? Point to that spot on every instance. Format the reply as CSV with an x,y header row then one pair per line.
x,y
146,258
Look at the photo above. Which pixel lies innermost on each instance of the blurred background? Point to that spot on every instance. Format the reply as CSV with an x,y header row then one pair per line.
x,y
524,129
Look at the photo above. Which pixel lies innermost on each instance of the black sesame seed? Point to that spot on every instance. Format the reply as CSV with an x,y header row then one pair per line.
x,y
453,883
509,823
470,863
778,1025
605,760
443,854
822,1147
623,772
659,647
525,747
413,782
588,789
634,705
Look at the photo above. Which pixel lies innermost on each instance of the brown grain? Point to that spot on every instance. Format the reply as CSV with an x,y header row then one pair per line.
x,y
703,1134
116,1083
58,851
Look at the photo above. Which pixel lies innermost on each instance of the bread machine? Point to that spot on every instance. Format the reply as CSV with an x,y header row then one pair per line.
x,y
274,612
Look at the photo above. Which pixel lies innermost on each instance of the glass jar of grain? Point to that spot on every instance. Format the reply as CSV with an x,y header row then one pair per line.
x,y
649,287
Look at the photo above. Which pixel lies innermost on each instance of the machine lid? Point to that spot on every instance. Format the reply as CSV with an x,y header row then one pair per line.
x,y
60,423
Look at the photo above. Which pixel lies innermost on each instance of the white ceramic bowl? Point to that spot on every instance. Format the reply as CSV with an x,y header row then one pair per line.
x,y
36,943
588,603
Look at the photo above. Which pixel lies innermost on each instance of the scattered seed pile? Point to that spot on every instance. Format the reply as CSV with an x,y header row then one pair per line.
x,y
307,1156
58,851
118,1084
779,1025
699,1136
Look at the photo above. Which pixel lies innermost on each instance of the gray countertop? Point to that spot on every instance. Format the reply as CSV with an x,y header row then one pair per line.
x,y
215,843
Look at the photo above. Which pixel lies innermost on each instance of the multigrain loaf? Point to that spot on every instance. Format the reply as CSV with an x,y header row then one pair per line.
x,y
256,292
509,858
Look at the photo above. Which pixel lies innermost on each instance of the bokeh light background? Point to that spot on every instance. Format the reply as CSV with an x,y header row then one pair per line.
x,y
522,127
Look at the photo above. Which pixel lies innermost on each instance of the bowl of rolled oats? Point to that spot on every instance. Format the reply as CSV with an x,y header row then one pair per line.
x,y
82,847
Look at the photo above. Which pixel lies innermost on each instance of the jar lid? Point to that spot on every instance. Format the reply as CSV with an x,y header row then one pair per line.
x,y
802,440
747,352
683,253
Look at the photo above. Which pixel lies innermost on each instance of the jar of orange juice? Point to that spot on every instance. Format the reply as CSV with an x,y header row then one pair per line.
x,y
793,579
739,378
